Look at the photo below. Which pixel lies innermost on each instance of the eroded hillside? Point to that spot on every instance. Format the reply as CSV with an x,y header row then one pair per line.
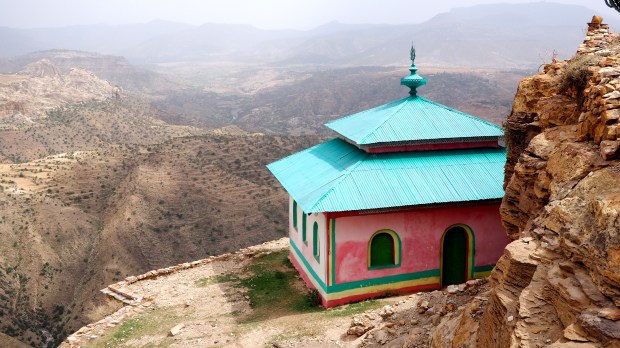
x,y
44,112
258,98
40,87
73,223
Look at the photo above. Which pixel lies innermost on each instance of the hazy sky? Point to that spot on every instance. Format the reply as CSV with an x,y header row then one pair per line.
x,y
266,14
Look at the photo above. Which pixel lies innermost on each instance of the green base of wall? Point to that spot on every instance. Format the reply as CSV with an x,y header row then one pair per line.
x,y
424,279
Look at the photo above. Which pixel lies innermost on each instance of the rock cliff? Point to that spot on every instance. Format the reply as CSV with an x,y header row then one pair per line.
x,y
558,283
41,87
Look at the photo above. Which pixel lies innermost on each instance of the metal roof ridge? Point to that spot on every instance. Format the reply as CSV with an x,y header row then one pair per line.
x,y
460,112
340,179
386,119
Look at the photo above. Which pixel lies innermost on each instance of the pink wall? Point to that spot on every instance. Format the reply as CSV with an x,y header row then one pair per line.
x,y
420,232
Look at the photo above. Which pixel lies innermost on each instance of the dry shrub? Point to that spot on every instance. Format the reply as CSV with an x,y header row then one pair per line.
x,y
574,78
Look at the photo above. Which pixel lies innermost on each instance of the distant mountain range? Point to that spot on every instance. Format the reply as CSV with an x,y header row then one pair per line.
x,y
496,35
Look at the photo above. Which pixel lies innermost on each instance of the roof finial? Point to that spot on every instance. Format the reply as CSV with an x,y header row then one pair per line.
x,y
414,80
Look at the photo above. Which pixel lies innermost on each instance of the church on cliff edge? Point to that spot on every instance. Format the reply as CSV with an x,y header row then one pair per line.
x,y
406,198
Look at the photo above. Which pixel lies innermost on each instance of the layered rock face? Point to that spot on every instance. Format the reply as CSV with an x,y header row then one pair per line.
x,y
558,283
40,87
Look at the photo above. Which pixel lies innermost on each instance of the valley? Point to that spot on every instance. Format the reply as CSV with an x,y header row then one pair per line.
x,y
102,186
147,147
300,102
77,221
279,100
95,185
101,180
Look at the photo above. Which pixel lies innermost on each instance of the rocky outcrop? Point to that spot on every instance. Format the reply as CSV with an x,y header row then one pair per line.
x,y
538,105
42,68
40,87
558,283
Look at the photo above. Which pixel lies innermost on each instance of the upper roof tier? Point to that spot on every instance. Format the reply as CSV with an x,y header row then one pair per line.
x,y
413,121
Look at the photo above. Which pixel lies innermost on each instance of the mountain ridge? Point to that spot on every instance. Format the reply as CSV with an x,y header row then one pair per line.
x,y
517,35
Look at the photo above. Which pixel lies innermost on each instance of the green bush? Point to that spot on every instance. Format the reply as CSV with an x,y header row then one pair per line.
x,y
312,298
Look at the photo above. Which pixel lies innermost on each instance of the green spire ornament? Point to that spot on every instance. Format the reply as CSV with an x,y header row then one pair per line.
x,y
414,80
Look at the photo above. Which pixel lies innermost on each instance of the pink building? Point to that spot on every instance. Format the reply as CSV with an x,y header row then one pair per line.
x,y
405,199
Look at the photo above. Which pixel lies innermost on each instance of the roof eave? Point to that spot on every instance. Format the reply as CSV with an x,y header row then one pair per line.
x,y
365,146
380,210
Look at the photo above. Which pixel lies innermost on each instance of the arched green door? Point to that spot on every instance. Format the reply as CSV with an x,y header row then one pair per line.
x,y
454,256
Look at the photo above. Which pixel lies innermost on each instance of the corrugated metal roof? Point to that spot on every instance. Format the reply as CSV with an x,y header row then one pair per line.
x,y
412,119
337,176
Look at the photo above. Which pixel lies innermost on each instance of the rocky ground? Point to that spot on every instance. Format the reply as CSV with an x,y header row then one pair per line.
x,y
176,307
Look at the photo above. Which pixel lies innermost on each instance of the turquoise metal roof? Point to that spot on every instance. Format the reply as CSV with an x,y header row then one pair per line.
x,y
413,120
337,176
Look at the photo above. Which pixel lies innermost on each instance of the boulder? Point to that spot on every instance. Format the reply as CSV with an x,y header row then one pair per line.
x,y
609,149
359,326
386,312
175,330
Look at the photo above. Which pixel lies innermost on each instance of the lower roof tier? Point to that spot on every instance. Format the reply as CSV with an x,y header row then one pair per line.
x,y
336,176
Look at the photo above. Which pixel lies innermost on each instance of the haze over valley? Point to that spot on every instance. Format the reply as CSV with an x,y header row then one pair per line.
x,y
130,147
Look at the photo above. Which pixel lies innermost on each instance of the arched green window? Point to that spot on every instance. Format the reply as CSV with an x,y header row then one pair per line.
x,y
384,250
304,236
295,215
315,240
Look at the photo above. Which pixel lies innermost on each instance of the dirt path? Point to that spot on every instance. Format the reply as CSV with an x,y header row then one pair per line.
x,y
204,305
